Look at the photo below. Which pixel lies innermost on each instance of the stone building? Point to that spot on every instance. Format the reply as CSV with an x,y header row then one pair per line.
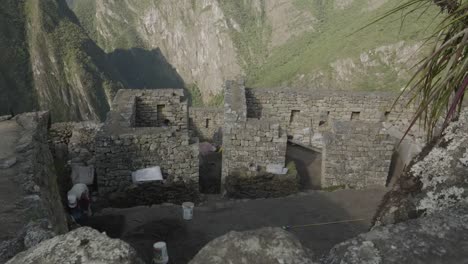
x,y
338,124
250,144
147,128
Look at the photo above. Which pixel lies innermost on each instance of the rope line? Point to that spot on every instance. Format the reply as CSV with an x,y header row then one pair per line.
x,y
326,223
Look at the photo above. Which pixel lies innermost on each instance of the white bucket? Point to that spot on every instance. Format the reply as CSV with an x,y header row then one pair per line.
x,y
160,255
187,210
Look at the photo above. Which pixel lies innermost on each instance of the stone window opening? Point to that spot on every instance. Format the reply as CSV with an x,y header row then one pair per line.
x,y
207,123
355,115
387,115
325,119
160,114
294,116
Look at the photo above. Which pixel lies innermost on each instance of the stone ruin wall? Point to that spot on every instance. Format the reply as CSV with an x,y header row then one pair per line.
x,y
356,154
74,142
310,115
248,142
123,146
306,114
206,123
153,107
38,207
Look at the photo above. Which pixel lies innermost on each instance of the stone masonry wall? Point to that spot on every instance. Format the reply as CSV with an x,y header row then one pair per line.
x,y
154,107
122,148
29,188
247,142
206,123
356,154
120,154
304,113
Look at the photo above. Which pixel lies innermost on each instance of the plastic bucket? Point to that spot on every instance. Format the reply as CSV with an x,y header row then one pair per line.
x,y
187,210
160,255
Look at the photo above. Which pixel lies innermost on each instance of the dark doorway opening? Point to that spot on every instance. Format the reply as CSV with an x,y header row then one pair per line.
x,y
308,164
210,173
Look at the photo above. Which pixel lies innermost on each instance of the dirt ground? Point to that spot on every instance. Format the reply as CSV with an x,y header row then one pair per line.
x,y
143,226
308,164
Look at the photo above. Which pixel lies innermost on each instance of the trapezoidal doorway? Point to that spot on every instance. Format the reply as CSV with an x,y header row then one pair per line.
x,y
308,164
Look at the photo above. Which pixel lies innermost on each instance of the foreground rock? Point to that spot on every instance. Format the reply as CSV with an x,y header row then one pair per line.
x,y
438,238
434,182
266,245
84,245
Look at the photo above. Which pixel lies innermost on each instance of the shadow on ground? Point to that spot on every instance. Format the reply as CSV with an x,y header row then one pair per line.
x,y
143,226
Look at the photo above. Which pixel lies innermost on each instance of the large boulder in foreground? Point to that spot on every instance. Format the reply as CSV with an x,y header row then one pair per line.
x,y
262,246
83,245
435,181
438,238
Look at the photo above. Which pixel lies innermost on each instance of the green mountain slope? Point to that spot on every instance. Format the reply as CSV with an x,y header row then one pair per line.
x,y
72,61
338,57
299,43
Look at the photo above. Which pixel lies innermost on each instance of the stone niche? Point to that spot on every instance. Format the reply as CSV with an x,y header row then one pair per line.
x,y
147,128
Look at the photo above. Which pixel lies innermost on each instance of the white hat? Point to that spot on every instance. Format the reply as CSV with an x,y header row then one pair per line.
x,y
72,201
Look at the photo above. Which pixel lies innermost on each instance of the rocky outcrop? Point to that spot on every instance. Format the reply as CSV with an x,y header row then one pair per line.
x,y
262,246
83,245
191,35
435,181
438,238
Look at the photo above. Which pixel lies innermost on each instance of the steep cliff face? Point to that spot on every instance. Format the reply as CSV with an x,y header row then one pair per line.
x,y
69,71
207,41
192,35
49,62
73,62
300,43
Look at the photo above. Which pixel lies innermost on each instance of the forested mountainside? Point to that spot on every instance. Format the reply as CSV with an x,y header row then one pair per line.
x,y
71,56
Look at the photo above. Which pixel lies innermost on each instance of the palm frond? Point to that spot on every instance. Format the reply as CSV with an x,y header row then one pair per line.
x,y
440,81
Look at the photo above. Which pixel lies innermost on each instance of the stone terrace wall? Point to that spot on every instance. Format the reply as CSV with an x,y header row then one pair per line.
x,y
356,154
207,123
30,188
305,113
122,148
248,142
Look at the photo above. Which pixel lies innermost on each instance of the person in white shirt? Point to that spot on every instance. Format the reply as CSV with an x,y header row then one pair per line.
x,y
79,202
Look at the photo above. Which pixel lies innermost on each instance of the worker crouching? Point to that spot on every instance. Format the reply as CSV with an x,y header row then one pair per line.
x,y
79,205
